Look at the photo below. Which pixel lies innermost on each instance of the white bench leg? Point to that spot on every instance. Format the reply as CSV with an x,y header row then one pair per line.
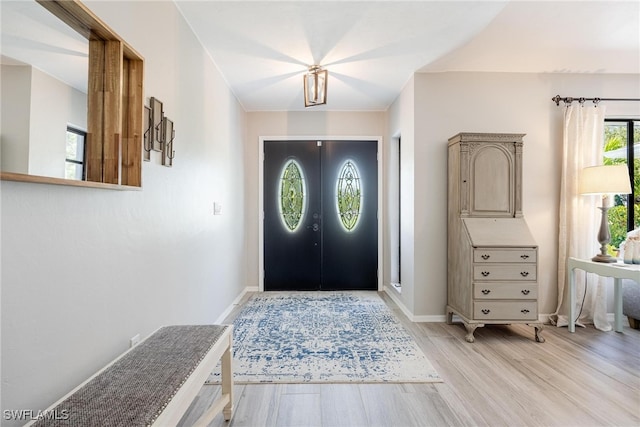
x,y
225,402
227,380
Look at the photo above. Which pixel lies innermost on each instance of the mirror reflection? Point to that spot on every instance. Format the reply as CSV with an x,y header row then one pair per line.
x,y
44,93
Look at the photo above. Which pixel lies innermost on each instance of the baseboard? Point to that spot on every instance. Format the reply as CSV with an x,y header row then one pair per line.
x,y
235,302
544,318
439,318
394,295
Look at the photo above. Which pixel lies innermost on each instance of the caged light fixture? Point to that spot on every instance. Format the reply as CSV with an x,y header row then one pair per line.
x,y
315,86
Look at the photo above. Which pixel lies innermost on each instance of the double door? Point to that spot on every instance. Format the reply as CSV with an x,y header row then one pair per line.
x,y
320,215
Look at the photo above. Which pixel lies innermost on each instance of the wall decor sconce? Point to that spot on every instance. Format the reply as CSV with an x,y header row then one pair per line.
x,y
169,134
147,135
159,133
156,122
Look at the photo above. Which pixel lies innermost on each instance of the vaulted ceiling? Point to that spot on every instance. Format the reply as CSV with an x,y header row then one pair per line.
x,y
372,48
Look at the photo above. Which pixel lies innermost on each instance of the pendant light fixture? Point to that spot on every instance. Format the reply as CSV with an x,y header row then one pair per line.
x,y
315,86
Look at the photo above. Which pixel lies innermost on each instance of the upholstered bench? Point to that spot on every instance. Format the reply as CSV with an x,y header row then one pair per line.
x,y
153,383
631,302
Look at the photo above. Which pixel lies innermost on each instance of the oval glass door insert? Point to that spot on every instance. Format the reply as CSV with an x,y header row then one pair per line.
x,y
292,195
349,195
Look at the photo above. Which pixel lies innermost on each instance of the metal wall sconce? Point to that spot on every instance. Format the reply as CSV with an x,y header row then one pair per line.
x,y
315,86
169,134
147,135
156,121
159,133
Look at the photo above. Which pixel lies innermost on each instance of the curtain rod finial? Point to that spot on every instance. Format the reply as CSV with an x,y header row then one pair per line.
x,y
557,100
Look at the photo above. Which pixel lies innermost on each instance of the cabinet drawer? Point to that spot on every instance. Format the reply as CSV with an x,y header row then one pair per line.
x,y
505,310
519,255
505,290
517,272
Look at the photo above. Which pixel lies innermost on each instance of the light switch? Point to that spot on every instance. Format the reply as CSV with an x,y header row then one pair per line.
x,y
217,208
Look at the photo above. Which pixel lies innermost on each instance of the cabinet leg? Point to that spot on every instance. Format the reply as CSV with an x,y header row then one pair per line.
x,y
538,331
471,328
450,317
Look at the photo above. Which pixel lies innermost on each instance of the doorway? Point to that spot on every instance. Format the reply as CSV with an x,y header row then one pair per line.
x,y
320,226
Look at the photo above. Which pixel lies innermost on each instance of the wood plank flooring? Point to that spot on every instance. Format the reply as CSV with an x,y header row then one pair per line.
x,y
505,378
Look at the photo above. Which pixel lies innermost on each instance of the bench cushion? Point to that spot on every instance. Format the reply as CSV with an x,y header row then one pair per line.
x,y
135,389
631,298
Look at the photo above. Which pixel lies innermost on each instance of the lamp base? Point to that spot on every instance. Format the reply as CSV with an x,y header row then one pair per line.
x,y
604,236
604,258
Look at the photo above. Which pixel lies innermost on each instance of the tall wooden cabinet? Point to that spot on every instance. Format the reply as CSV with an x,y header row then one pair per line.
x,y
492,256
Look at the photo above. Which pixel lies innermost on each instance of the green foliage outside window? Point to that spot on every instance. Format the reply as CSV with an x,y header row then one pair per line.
x,y
349,196
616,138
292,194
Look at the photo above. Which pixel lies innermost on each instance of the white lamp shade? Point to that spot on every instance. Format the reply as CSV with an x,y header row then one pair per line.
x,y
612,179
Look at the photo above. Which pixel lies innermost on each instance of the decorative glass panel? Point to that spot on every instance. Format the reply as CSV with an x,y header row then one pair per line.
x,y
349,195
292,195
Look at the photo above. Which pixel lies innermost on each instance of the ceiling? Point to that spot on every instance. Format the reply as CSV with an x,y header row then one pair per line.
x,y
370,48
30,34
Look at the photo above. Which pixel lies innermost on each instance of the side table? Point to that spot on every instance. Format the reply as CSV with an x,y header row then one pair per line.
x,y
617,270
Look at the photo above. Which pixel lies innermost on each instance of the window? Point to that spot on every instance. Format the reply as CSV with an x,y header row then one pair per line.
x,y
395,213
74,162
622,146
349,195
292,195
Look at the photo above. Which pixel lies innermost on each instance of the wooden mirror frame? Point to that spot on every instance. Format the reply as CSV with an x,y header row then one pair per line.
x,y
115,104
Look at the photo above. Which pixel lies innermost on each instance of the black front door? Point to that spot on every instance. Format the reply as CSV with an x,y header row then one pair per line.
x,y
320,215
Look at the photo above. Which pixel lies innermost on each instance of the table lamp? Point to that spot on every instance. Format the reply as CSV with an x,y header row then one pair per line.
x,y
604,180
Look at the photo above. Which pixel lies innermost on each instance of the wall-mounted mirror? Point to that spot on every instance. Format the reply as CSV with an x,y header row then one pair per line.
x,y
64,116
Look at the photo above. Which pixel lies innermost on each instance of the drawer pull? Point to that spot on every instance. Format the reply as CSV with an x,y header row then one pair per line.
x,y
524,273
486,311
524,311
485,273
486,257
526,291
486,291
524,256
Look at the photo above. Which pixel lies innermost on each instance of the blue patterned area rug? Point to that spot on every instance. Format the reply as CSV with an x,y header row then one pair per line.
x,y
318,337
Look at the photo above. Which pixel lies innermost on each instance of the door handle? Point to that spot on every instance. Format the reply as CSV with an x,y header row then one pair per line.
x,y
314,227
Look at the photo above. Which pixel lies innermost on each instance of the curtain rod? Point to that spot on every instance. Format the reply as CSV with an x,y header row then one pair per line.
x,y
569,99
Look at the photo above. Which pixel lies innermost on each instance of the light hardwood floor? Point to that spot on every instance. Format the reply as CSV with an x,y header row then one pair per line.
x,y
505,378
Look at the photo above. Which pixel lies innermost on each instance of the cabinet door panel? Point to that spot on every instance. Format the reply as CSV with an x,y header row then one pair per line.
x,y
492,179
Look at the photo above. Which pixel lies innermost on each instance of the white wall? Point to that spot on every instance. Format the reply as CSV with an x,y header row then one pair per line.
x,y
14,126
401,118
301,123
54,105
448,103
84,270
36,111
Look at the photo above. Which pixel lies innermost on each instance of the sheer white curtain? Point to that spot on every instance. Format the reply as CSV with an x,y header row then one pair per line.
x,y
579,217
